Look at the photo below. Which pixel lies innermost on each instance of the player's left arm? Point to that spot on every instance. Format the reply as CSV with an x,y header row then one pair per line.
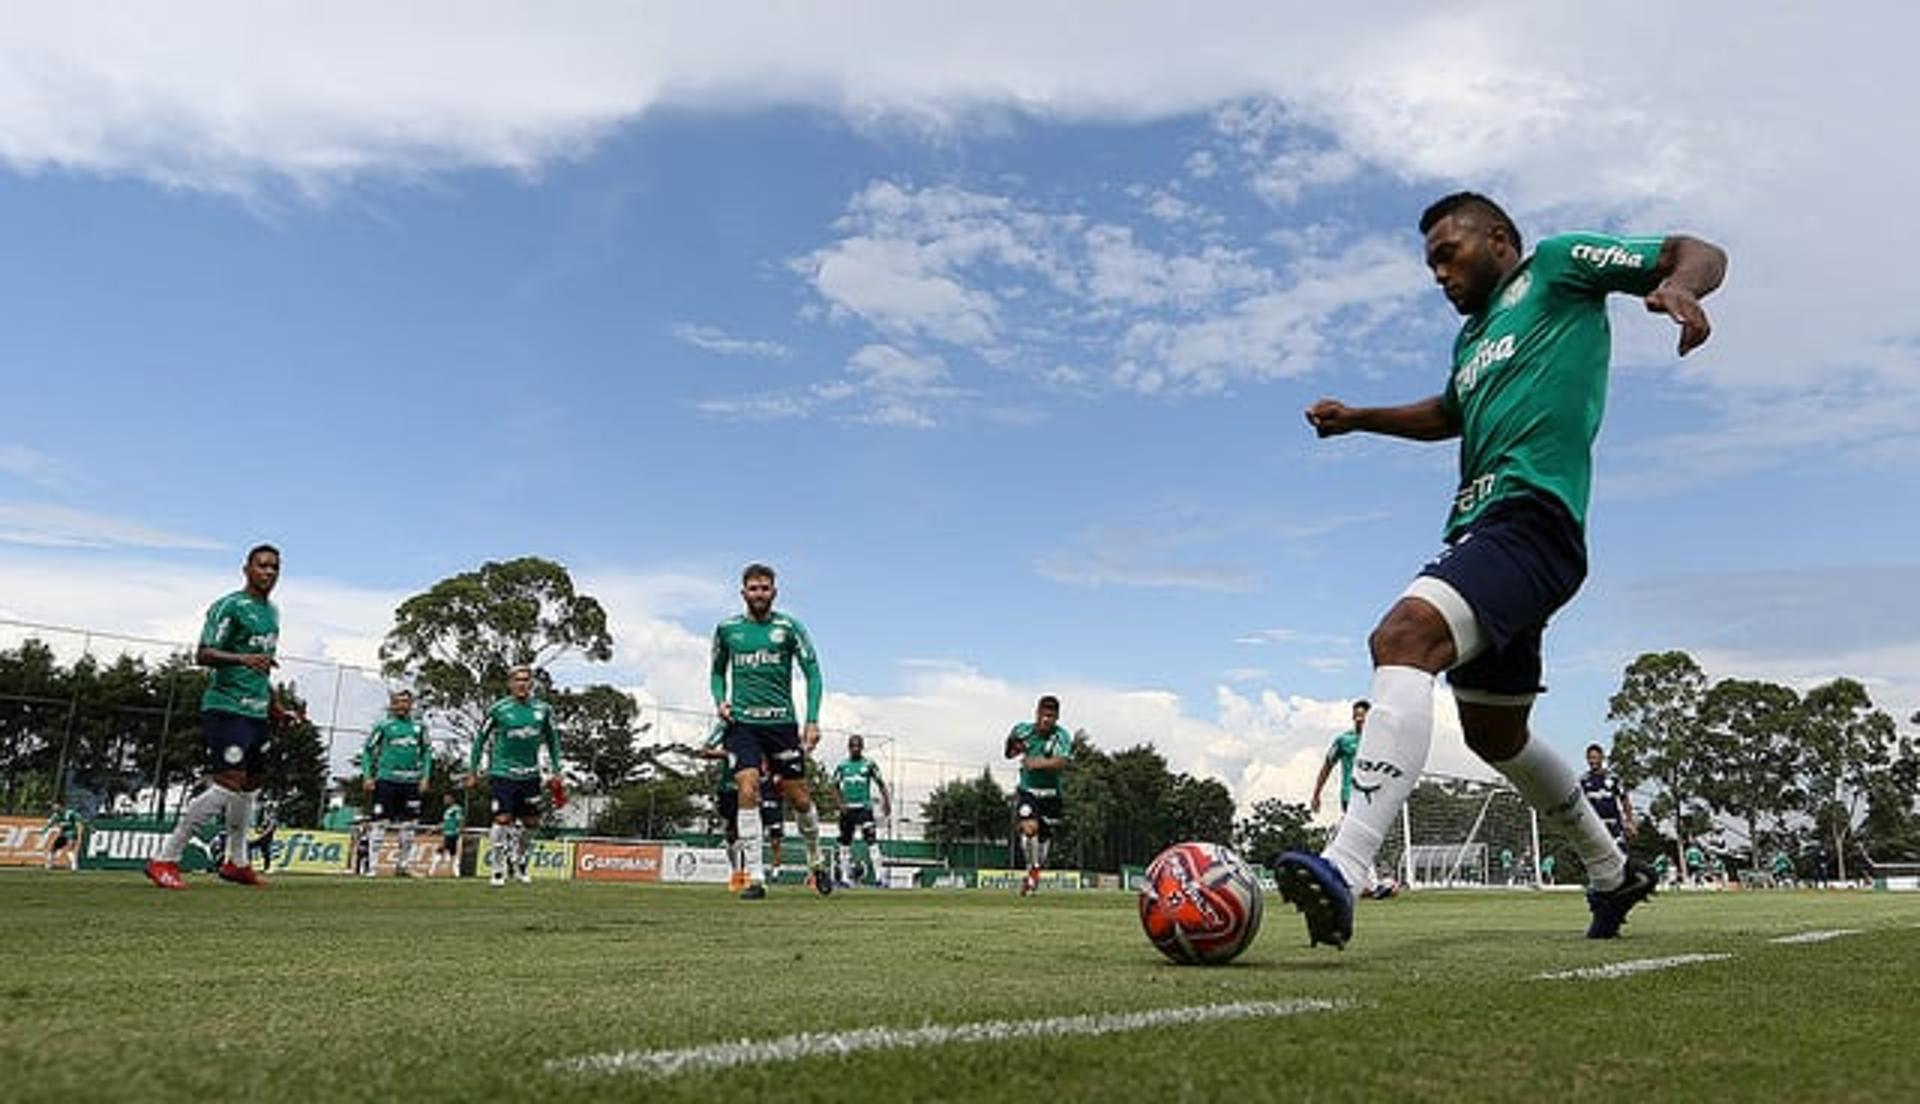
x,y
1689,270
553,742
886,796
1062,750
810,668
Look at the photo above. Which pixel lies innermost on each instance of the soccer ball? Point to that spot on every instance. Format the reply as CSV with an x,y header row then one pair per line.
x,y
1200,904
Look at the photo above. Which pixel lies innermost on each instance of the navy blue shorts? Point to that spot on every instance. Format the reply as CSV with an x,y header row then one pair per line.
x,y
516,797
235,742
1045,808
852,819
1516,564
773,748
773,812
396,800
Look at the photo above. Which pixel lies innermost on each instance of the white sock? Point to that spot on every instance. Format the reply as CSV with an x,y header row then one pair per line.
x,y
1393,749
809,821
376,839
749,821
1041,845
406,847
497,836
1030,847
519,849
877,861
1550,786
198,811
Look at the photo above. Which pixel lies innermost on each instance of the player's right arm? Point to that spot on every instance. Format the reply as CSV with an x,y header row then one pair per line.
x,y
1426,420
1016,745
370,758
717,677
1326,769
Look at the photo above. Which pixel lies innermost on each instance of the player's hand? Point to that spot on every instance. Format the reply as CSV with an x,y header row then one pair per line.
x,y
1680,304
472,781
1012,748
260,663
1314,805
725,711
1331,418
366,785
280,715
810,737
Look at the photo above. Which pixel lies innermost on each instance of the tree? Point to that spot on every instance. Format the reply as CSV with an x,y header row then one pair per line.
x,y
599,736
1277,826
296,765
1199,809
1849,746
654,808
456,642
1658,737
967,810
1750,751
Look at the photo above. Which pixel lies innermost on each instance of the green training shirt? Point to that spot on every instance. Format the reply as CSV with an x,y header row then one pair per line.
x,y
760,656
516,731
397,751
1345,747
856,777
452,819
1057,744
245,625
66,822
1529,379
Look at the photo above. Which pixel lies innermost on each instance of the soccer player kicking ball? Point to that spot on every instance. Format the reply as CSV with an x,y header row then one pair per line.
x,y
516,728
857,776
398,761
237,715
1525,395
752,682
1043,748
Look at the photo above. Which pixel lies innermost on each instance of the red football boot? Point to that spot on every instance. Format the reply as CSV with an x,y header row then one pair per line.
x,y
240,875
166,875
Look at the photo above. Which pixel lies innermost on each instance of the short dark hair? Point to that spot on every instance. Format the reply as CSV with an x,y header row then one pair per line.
x,y
1474,203
1596,747
1363,704
1048,701
259,548
756,571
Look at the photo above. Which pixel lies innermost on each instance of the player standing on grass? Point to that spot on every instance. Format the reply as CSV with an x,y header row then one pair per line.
x,y
1608,798
1043,748
516,728
63,835
452,819
1525,396
237,715
856,776
398,762
752,683
1341,753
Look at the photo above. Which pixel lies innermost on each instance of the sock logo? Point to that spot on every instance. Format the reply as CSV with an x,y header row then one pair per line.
x,y
1367,791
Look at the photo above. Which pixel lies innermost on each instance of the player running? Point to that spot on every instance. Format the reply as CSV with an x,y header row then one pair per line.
x,y
1043,748
237,715
752,683
452,820
1525,394
1608,798
63,835
857,776
1341,753
398,763
516,728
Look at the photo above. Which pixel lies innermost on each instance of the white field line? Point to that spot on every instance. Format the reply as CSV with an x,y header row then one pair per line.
x,y
810,1044
1624,969
1815,936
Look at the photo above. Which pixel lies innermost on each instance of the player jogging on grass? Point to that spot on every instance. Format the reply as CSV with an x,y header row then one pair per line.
x,y
452,819
516,728
752,682
1043,748
1525,394
856,777
63,836
1608,798
398,762
237,715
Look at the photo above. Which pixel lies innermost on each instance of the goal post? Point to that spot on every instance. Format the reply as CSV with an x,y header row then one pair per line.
x,y
1464,832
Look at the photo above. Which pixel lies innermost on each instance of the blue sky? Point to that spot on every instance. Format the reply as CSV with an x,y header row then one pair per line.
x,y
995,346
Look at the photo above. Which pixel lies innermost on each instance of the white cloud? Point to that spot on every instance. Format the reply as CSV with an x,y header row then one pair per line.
x,y
30,464
718,341
48,525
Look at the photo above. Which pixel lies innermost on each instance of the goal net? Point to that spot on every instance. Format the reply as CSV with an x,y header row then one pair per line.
x,y
1457,832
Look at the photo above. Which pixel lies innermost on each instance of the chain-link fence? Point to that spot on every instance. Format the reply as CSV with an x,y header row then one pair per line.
x,y
108,723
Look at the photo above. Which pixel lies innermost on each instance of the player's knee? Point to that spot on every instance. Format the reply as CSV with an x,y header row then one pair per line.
x,y
1412,634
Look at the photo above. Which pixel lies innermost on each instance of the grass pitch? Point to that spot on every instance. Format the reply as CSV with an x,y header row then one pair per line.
x,y
341,990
